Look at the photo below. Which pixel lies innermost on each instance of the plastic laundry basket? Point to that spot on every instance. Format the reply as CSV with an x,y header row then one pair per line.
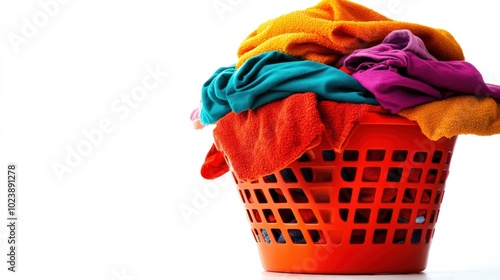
x,y
370,209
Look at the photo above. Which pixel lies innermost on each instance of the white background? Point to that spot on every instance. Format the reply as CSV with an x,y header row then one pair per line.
x,y
116,213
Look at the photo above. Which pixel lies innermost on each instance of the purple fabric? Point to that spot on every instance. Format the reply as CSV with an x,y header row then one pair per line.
x,y
401,73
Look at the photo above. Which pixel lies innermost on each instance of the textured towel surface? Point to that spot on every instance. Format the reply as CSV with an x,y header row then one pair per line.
x,y
456,115
266,140
333,28
341,118
261,141
271,76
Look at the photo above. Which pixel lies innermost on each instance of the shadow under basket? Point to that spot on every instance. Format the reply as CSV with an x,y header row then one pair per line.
x,y
370,209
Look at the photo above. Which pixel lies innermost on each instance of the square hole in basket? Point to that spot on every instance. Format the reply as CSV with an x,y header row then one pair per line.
x,y
433,216
296,236
271,178
308,216
437,156
379,236
416,236
348,174
371,174
375,155
448,158
345,195
389,195
426,196
304,158
358,236
248,196
404,216
298,195
328,155
362,216
259,194
257,235
428,235
399,236
394,174
344,214
410,195
317,236
249,216
277,195
350,155
307,174
241,195
384,215
320,195
366,195
399,155
431,176
287,216
278,236
415,175
269,215
420,157
421,216
266,237
288,175
444,176
256,215
438,198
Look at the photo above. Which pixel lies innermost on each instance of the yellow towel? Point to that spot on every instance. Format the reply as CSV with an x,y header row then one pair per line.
x,y
334,28
465,114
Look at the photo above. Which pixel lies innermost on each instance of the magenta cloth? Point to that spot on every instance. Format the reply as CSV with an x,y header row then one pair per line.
x,y
401,73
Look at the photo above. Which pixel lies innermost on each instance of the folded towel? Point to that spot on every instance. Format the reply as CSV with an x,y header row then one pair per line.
x,y
333,28
261,141
271,76
401,73
456,115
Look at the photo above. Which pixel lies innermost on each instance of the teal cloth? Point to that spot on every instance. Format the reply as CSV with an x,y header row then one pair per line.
x,y
271,76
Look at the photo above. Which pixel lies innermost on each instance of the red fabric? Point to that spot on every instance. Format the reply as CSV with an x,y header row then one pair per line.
x,y
215,164
341,118
262,141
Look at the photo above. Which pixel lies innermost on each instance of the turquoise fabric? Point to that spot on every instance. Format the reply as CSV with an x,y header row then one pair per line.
x,y
271,76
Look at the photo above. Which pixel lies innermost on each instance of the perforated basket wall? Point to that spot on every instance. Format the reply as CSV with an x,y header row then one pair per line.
x,y
372,208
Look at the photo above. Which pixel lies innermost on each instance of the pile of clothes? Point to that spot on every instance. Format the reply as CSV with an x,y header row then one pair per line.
x,y
316,72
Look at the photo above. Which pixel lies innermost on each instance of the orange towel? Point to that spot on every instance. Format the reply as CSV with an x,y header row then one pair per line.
x,y
464,114
332,29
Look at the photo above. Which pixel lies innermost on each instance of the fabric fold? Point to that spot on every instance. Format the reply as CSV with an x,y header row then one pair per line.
x,y
334,28
456,115
271,76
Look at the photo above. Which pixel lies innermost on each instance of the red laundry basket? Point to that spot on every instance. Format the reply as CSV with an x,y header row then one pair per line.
x,y
369,209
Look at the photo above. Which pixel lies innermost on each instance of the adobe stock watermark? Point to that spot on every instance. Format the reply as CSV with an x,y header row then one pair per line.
x,y
395,7
122,107
222,7
32,25
204,196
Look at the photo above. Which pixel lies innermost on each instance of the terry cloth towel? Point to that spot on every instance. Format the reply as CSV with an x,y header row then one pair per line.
x,y
266,140
271,76
333,28
341,118
261,141
401,73
456,115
